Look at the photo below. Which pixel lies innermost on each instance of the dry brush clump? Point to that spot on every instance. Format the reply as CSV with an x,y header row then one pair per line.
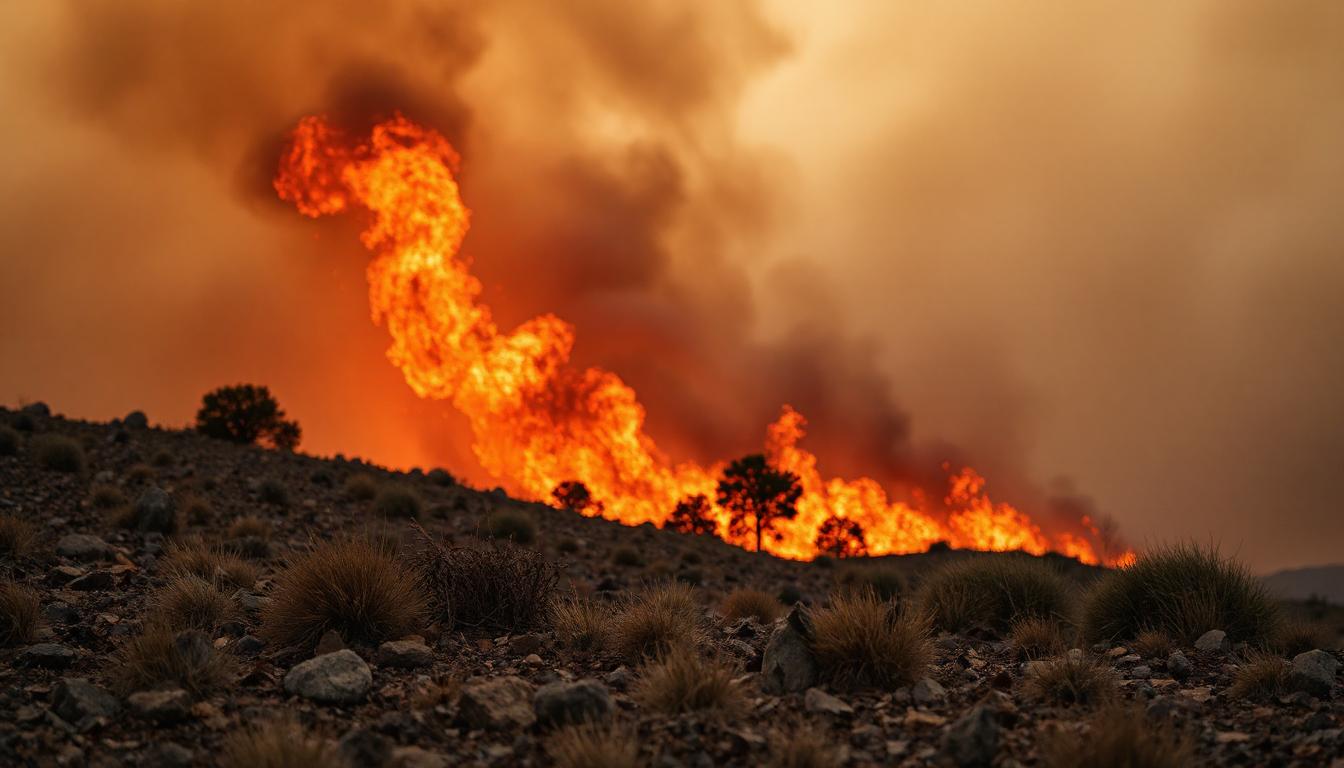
x,y
278,744
106,496
190,602
1260,676
1117,737
594,745
160,655
581,624
751,603
18,538
9,441
1153,644
360,487
1183,590
994,592
59,454
1299,635
1070,679
887,582
497,586
354,586
194,557
397,501
510,525
1037,638
656,620
680,681
803,746
20,614
861,641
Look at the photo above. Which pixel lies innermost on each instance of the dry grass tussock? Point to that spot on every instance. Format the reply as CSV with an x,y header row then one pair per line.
x,y
194,557
594,745
59,454
159,655
1260,676
1118,737
581,624
861,641
278,744
20,614
803,746
751,603
1070,679
1037,638
190,602
497,586
656,620
18,538
995,592
681,681
1153,644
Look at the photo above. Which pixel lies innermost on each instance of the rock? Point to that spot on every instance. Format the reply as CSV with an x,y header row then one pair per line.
x,y
365,748
620,678
1178,665
83,547
61,613
63,574
818,701
562,703
92,581
972,740
788,665
330,642
1313,672
136,420
1213,640
415,757
78,701
155,510
47,656
169,755
249,601
497,704
193,647
168,706
1143,671
404,654
249,645
927,691
334,678
532,660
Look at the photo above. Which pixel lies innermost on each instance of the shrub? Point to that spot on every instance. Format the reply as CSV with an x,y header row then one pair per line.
x,y
627,557
246,414
757,497
18,538
352,586
1298,636
278,744
140,474
1036,638
692,515
9,441
196,509
59,454
498,586
995,591
1119,738
274,492
657,619
861,641
159,655
1183,590
887,582
593,745
249,526
1260,676
1152,644
756,603
575,497
361,487
190,602
581,624
20,614
107,497
790,594
511,525
680,681
1071,679
397,501
440,476
839,537
803,746
193,557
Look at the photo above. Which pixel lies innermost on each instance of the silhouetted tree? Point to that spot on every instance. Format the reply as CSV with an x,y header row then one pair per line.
x,y
692,515
574,496
757,496
246,413
839,537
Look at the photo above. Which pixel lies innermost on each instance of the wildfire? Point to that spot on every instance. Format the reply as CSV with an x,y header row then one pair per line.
x,y
537,419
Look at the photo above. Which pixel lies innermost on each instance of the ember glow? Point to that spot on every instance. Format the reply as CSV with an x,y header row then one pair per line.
x,y
538,420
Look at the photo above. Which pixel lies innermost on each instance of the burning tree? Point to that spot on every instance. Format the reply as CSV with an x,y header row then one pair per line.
x,y
692,515
246,413
574,496
757,496
839,537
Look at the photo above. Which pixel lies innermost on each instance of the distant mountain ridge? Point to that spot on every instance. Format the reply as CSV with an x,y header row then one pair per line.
x,y
1325,581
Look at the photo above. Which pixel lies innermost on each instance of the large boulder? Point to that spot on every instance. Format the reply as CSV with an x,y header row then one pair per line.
x,y
497,704
1313,672
334,678
562,703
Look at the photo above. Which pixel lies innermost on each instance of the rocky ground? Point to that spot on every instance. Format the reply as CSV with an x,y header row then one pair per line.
x,y
453,697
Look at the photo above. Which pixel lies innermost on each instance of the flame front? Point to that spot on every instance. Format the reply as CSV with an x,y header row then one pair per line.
x,y
537,419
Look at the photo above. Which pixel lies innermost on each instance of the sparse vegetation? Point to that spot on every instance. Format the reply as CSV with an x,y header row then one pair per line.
x,y
196,509
1183,590
1153,644
887,582
360,487
627,557
657,619
839,537
9,441
757,496
594,745
58,454
1070,679
397,501
107,497
140,474
1298,635
278,744
803,746
755,603
692,515
190,602
511,525
994,592
246,413
1260,676
681,681
193,557
1036,638
20,614
352,586
581,624
499,585
575,496
861,641
160,655
1118,737
18,538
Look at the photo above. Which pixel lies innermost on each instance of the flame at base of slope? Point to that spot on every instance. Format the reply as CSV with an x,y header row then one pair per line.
x,y
537,419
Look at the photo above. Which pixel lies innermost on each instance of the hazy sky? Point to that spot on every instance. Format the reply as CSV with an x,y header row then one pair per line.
x,y
1090,243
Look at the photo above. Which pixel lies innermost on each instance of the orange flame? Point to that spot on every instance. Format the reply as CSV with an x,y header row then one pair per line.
x,y
537,419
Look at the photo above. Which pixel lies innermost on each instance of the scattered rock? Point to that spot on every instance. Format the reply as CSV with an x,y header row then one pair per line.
x,y
1313,672
1213,640
927,691
788,665
77,701
93,581
562,703
1178,665
818,701
169,706
334,678
972,740
404,654
497,704
47,656
83,547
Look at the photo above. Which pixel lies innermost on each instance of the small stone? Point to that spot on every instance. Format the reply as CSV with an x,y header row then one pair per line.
x,y
404,654
169,755
928,691
168,706
75,699
562,703
334,678
93,581
497,704
620,678
818,701
416,757
250,602
972,741
1213,640
1142,671
63,574
788,665
1178,665
1313,672
249,645
1231,737
47,656
155,510
331,642
83,547
61,613
532,660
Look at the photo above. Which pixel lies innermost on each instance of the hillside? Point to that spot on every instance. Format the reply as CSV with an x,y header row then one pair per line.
x,y
114,515
1324,582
